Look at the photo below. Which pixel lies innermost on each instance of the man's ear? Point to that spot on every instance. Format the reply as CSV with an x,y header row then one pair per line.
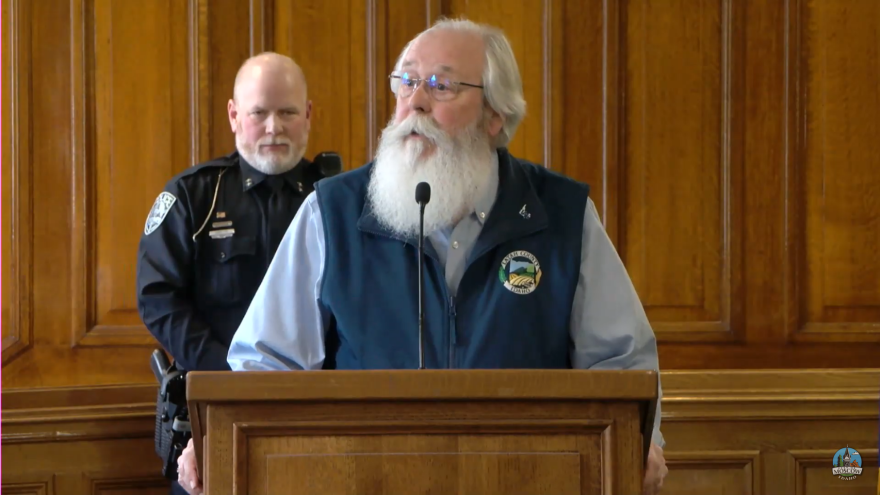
x,y
232,111
496,123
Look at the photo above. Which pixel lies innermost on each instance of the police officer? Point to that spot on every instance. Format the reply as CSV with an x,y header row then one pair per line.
x,y
213,230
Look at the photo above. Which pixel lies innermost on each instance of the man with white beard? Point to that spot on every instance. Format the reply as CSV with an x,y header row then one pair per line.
x,y
519,270
214,228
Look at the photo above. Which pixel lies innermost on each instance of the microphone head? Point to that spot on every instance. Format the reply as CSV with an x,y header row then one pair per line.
x,y
423,193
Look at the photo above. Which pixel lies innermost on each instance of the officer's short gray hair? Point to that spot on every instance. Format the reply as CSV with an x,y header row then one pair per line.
x,y
502,83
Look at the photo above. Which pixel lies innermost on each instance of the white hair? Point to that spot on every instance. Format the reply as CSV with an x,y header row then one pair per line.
x,y
501,78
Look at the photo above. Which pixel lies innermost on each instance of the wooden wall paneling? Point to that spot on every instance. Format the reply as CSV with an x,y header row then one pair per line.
x,y
131,128
586,99
833,190
798,268
526,25
347,50
81,441
681,165
391,25
121,92
17,180
233,31
327,40
768,432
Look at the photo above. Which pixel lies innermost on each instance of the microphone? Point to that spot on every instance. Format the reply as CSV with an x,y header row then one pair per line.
x,y
423,195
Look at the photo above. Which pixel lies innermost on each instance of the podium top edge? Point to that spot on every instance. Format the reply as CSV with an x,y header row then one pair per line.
x,y
337,385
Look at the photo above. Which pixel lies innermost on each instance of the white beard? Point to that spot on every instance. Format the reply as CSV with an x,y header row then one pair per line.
x,y
270,164
458,171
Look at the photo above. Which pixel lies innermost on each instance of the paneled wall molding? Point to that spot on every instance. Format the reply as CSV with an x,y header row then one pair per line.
x,y
17,181
769,430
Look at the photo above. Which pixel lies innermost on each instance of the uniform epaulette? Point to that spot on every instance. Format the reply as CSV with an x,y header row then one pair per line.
x,y
215,164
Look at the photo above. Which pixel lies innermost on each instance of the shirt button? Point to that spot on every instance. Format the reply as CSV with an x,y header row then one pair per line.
x,y
454,244
482,215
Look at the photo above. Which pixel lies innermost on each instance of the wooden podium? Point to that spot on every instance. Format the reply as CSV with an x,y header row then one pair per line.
x,y
422,431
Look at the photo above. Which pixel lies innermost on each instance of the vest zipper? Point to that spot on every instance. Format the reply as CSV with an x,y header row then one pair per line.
x,y
452,339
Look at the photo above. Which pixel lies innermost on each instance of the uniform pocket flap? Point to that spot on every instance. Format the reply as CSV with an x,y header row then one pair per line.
x,y
223,250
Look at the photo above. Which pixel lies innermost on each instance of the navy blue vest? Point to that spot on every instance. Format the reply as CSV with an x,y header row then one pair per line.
x,y
513,306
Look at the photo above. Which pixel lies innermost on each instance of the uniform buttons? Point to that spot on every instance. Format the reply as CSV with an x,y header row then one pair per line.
x,y
454,244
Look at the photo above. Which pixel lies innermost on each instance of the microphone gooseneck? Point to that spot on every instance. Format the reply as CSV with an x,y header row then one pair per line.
x,y
423,196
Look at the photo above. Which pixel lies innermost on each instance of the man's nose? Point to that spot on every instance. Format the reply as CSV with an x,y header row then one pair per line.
x,y
273,125
420,101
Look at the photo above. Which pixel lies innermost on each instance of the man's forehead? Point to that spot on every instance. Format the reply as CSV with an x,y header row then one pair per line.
x,y
444,51
410,63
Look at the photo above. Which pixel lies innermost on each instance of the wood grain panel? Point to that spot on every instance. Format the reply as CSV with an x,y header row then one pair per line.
x,y
127,486
132,123
525,24
428,472
584,99
814,475
680,136
80,441
335,68
17,180
840,172
390,26
32,484
698,473
789,422
762,432
226,43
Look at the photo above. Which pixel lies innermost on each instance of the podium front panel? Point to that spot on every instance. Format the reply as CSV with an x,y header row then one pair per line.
x,y
443,448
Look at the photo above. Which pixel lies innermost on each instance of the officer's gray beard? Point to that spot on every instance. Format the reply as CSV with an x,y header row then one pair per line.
x,y
458,171
270,164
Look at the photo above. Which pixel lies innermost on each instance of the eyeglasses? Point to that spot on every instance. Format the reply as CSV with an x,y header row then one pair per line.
x,y
440,88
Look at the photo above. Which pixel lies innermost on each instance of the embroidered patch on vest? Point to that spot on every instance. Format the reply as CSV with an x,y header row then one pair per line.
x,y
520,272
160,209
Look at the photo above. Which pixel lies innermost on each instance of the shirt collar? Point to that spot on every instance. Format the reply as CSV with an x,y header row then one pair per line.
x,y
486,200
251,177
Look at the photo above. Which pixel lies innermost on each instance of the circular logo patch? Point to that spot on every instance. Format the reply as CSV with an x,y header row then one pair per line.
x,y
520,272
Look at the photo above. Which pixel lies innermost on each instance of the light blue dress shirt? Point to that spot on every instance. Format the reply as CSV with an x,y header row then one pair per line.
x,y
285,325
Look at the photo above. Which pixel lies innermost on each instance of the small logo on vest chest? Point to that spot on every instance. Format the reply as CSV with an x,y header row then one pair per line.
x,y
520,272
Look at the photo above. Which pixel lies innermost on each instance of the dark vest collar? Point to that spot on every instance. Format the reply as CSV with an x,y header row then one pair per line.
x,y
517,211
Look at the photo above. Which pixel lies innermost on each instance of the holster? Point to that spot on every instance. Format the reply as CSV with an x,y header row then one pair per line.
x,y
172,417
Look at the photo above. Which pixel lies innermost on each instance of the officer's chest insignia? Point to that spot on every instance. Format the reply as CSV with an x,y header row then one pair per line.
x,y
520,272
221,234
160,209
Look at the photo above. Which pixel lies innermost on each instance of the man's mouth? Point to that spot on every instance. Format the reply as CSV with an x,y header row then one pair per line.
x,y
273,147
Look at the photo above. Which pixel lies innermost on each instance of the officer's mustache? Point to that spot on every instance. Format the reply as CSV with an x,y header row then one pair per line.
x,y
421,125
274,141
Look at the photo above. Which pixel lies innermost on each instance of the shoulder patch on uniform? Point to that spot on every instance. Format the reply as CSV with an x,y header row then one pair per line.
x,y
160,209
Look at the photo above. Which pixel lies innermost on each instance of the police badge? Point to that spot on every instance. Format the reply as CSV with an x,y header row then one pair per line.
x,y
157,213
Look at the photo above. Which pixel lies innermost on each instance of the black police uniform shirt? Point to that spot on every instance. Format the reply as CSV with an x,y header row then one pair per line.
x,y
201,259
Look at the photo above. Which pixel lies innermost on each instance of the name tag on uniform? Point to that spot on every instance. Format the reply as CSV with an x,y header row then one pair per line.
x,y
221,234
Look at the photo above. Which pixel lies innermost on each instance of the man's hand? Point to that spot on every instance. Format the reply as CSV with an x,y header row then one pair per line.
x,y
656,470
188,470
